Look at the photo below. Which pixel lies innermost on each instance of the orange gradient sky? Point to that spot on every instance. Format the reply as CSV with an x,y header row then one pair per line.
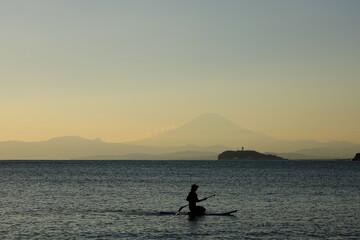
x,y
125,70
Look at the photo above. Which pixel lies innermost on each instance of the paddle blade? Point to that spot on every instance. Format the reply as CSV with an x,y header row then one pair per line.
x,y
181,208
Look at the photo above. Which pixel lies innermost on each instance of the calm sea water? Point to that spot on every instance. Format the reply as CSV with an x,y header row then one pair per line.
x,y
121,199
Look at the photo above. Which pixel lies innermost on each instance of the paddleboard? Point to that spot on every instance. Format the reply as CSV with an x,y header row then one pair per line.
x,y
205,214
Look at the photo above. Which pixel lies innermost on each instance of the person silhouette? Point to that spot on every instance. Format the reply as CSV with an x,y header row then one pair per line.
x,y
192,198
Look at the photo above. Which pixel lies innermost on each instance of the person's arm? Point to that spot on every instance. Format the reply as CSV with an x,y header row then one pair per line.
x,y
202,199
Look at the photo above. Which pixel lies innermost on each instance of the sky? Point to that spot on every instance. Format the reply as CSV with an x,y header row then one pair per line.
x,y
125,70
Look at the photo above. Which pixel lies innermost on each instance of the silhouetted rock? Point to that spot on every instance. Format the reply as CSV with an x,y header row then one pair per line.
x,y
357,157
247,155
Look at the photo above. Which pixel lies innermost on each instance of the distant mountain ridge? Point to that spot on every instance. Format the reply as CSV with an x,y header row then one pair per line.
x,y
181,155
201,138
72,147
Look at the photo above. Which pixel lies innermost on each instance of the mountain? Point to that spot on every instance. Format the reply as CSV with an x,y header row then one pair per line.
x,y
202,138
56,148
213,130
209,130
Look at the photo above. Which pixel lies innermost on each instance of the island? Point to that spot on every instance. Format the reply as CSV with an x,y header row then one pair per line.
x,y
357,157
247,155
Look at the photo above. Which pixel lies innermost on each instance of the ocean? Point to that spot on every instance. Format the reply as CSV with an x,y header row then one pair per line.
x,y
122,199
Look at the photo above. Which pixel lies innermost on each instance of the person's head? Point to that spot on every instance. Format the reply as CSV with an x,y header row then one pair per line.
x,y
194,187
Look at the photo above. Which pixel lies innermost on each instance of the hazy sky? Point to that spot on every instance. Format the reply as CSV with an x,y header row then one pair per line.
x,y
124,70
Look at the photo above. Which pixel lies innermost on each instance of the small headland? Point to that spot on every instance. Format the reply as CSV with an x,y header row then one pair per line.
x,y
247,155
357,157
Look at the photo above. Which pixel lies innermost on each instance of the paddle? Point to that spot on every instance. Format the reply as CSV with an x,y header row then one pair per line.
x,y
181,208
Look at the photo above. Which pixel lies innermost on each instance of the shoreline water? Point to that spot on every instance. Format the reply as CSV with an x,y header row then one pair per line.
x,y
52,199
161,160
